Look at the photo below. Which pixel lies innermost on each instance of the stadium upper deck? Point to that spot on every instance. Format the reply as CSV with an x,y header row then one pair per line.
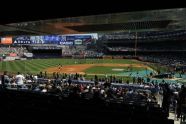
x,y
154,20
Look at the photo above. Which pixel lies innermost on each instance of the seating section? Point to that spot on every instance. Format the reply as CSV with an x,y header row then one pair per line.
x,y
24,106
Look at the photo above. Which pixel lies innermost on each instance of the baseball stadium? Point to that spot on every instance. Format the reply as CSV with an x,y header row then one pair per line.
x,y
125,67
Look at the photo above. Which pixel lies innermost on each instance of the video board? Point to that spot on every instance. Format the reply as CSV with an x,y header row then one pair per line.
x,y
22,40
72,39
6,40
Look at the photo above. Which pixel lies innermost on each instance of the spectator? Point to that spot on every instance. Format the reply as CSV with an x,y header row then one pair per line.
x,y
166,98
181,100
19,79
5,79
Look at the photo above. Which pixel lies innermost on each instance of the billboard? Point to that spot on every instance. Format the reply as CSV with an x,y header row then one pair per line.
x,y
71,39
6,40
22,40
66,43
78,42
37,39
54,39
79,39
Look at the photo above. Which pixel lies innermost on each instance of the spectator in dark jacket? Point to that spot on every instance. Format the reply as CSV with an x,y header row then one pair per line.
x,y
5,79
181,100
166,99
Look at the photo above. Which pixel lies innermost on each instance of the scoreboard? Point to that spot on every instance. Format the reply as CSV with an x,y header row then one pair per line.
x,y
72,39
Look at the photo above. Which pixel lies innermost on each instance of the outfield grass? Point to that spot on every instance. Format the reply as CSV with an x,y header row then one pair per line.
x,y
109,70
36,65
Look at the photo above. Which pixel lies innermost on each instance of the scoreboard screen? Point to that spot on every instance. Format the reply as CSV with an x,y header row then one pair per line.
x,y
22,40
72,39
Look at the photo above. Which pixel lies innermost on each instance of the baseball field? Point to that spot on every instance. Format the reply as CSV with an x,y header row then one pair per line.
x,y
118,67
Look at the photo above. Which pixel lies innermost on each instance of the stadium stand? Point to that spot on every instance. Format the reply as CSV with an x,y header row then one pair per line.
x,y
55,97
73,93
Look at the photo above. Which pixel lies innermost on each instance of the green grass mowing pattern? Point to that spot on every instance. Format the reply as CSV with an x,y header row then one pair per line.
x,y
17,66
37,65
12,66
40,66
31,66
3,66
108,70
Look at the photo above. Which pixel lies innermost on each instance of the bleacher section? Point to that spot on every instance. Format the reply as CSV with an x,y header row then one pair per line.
x,y
36,107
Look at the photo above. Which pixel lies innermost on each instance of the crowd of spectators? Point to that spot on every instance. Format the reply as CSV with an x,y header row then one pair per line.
x,y
81,50
105,88
119,48
165,59
145,36
17,50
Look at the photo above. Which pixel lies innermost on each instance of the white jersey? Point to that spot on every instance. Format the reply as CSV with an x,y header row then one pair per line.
x,y
20,79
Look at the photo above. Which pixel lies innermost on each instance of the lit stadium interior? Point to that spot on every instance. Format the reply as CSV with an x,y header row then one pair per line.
x,y
125,67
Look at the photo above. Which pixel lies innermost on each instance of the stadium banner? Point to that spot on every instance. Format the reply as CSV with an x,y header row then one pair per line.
x,y
78,39
83,37
71,39
78,42
66,43
86,39
21,40
54,39
6,40
37,39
